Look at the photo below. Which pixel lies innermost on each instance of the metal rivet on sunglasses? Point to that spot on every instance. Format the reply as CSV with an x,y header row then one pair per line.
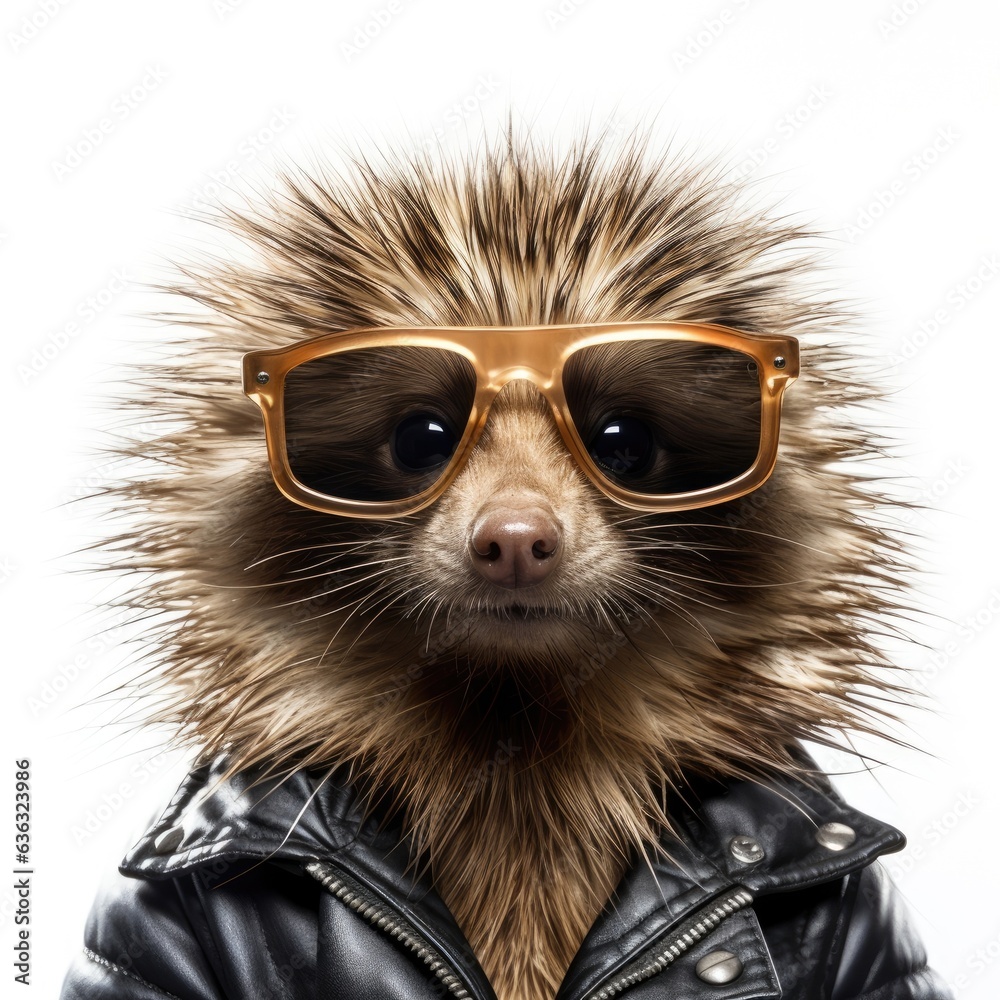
x,y
263,378
779,362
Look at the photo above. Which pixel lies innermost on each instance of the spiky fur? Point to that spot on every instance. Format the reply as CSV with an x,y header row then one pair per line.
x,y
528,771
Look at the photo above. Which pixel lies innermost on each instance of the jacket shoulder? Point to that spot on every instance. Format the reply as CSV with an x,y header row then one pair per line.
x,y
834,923
881,955
149,938
142,942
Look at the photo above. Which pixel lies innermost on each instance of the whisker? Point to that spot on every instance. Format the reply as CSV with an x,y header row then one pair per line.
x,y
348,583
301,579
663,588
665,571
387,603
365,543
659,594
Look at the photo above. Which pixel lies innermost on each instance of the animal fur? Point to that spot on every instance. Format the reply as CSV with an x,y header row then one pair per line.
x,y
529,749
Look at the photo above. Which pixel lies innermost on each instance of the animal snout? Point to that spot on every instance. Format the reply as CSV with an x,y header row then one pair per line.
x,y
515,544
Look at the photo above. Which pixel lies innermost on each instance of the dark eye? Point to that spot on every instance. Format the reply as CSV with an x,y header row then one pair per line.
x,y
623,446
421,442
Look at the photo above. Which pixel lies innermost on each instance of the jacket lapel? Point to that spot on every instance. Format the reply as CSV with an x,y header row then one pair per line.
x,y
303,818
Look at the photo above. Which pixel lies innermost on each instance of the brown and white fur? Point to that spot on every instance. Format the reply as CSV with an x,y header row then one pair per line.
x,y
528,738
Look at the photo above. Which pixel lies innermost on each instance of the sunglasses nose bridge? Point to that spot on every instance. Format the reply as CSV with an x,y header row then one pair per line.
x,y
548,385
541,380
544,382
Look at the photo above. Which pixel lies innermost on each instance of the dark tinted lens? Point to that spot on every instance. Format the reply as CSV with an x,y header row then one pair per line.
x,y
664,417
377,424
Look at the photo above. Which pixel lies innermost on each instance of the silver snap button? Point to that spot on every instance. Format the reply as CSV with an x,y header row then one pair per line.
x,y
835,836
169,840
746,849
719,968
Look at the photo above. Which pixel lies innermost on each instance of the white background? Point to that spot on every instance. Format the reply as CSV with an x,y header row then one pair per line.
x,y
875,120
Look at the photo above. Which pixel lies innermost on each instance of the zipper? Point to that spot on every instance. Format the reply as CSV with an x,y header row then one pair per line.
x,y
378,913
686,937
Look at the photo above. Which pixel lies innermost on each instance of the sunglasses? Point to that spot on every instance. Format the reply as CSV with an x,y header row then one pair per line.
x,y
660,416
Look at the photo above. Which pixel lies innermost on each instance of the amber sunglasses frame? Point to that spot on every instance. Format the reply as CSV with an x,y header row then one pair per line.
x,y
500,355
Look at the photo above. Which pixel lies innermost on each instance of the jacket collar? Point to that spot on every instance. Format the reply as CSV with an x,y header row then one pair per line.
x,y
804,834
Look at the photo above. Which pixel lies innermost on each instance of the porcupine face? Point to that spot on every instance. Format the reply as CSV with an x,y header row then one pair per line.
x,y
732,628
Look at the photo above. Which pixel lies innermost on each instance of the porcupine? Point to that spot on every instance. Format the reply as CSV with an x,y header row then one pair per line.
x,y
526,685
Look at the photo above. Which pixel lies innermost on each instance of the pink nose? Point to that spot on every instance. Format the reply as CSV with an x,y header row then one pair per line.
x,y
515,546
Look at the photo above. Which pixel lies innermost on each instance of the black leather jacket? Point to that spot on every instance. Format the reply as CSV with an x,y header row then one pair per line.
x,y
282,891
